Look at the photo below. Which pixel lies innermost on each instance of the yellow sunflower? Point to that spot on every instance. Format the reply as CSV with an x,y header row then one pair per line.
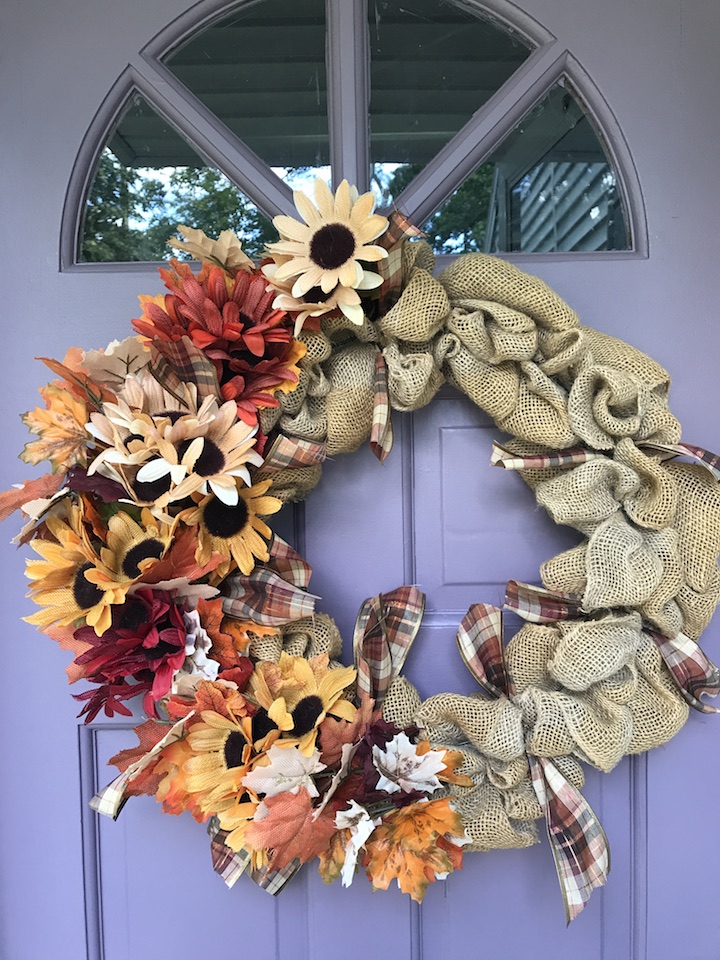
x,y
234,531
64,581
298,694
132,547
222,752
325,250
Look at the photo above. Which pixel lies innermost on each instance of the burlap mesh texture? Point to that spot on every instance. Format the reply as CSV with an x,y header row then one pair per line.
x,y
308,637
401,703
477,276
413,376
350,399
420,312
295,484
611,352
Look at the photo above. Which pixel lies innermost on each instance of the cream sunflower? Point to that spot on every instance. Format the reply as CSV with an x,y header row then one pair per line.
x,y
326,250
235,531
314,303
298,694
64,581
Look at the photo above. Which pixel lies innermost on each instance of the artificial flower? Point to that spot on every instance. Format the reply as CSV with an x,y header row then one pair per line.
x,y
225,252
131,547
327,249
234,531
222,752
297,695
198,666
63,439
401,767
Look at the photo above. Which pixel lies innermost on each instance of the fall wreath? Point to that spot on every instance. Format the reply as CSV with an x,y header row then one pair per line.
x,y
157,568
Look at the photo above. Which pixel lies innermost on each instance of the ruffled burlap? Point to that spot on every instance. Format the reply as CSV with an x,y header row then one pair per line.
x,y
413,377
307,637
420,312
349,402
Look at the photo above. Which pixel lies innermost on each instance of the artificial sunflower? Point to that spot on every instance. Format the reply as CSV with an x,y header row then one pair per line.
x,y
132,547
235,531
326,250
314,303
64,583
297,694
222,755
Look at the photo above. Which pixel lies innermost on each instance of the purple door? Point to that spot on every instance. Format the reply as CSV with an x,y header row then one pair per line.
x,y
73,886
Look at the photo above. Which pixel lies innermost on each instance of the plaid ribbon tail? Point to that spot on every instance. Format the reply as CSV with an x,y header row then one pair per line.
x,y
390,268
578,842
266,598
228,863
273,881
691,670
289,564
381,433
111,799
180,362
290,453
501,457
537,605
385,629
480,641
711,461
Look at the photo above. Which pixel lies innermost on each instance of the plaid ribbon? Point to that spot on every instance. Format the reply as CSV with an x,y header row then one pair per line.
x,y
691,670
500,457
577,840
266,598
180,362
694,674
390,268
385,628
289,564
537,605
479,640
381,433
229,863
290,453
711,461
273,881
111,799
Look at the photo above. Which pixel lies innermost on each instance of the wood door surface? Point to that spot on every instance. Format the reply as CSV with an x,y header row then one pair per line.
x,y
73,886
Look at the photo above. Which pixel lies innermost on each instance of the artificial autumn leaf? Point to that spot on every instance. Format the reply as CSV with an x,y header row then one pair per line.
x,y
332,857
39,489
60,428
405,847
453,759
225,252
78,382
179,562
223,648
289,829
217,696
109,491
243,632
401,767
147,781
284,770
65,637
335,733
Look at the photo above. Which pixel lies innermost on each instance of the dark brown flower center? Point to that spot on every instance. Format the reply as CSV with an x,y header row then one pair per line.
x,y
332,245
315,295
86,594
262,724
210,461
224,521
149,491
306,713
234,746
141,551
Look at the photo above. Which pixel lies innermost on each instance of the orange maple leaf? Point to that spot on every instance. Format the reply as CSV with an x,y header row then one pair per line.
x,y
289,829
148,780
335,733
453,759
179,562
221,698
223,647
332,857
38,489
65,637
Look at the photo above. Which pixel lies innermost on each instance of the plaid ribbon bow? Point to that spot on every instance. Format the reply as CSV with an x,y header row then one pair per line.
x,y
578,842
272,595
290,453
694,674
386,626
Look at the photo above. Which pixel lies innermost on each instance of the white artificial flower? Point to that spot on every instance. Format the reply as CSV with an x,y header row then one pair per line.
x,y
197,666
402,768
287,772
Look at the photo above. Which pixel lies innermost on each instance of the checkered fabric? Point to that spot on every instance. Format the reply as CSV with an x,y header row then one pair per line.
x,y
500,457
390,269
480,641
381,433
386,626
693,672
173,364
273,881
577,840
711,461
111,799
266,598
537,605
230,864
290,453
289,564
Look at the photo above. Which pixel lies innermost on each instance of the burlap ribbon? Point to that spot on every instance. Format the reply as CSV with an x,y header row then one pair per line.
x,y
578,842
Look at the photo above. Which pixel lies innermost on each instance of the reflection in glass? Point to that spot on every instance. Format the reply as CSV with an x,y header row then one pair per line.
x,y
433,63
149,180
549,186
261,71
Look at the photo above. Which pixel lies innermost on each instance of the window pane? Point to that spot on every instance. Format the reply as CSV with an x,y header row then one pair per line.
x,y
549,186
261,71
433,64
149,180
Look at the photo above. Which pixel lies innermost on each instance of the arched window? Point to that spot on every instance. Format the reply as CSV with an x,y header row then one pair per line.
x,y
485,133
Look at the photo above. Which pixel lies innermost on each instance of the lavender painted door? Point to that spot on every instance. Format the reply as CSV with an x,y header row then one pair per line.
x,y
435,514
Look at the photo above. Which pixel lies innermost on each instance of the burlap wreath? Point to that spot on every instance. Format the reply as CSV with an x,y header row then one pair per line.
x,y
591,690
